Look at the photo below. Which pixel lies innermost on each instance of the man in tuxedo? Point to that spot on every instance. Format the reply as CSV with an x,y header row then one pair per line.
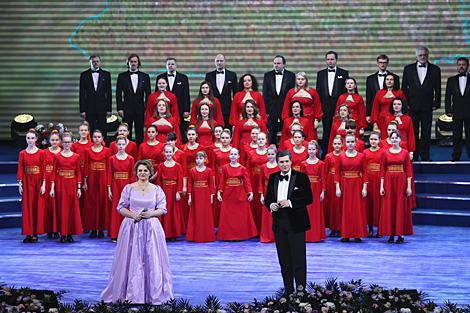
x,y
179,85
375,82
276,85
287,196
458,107
224,85
330,85
136,87
422,88
95,96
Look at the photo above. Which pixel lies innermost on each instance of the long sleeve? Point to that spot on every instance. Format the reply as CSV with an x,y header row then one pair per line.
x,y
221,186
160,199
218,116
383,165
448,97
82,93
179,177
362,113
323,175
125,199
132,177
404,83
20,175
210,181
194,108
261,105
317,110
338,170
87,163
365,172
261,180
78,171
109,172
437,89
237,134
54,172
186,97
374,117
246,180
159,174
147,88
287,102
266,89
411,134
119,92
190,181
109,95
173,105
140,153
234,114
407,166
369,96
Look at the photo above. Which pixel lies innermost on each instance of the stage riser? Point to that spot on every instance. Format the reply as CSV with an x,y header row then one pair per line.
x,y
441,220
9,191
443,204
439,188
8,167
10,222
10,204
441,167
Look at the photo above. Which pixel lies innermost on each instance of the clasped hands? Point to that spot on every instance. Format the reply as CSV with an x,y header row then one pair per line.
x,y
143,214
281,204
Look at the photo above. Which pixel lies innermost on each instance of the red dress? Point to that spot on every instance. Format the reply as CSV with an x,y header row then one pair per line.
x,y
360,145
205,136
131,148
80,148
120,173
358,109
170,125
242,131
238,104
316,174
51,208
217,116
311,105
351,173
406,130
153,153
395,215
289,144
336,130
381,106
171,181
66,175
171,100
253,165
31,173
201,220
386,144
218,159
332,204
245,151
309,132
298,158
96,210
373,199
266,234
236,220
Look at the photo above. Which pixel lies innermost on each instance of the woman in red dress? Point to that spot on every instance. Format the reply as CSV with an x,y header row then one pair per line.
x,y
309,99
250,118
67,177
165,122
206,95
313,167
343,115
267,234
351,127
131,147
249,91
205,126
373,159
96,210
151,150
201,191
333,205
120,173
234,191
169,177
245,150
52,228
383,98
356,103
296,116
399,110
218,129
180,157
395,188
351,186
255,159
289,143
386,143
299,151
32,185
153,99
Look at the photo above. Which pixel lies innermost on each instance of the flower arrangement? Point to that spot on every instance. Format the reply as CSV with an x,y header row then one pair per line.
x,y
45,132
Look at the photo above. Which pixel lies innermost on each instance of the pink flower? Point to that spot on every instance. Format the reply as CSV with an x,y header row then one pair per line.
x,y
375,306
328,292
324,309
283,300
7,293
270,303
21,306
308,309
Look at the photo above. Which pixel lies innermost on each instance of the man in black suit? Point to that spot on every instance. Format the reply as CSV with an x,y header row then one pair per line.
x,y
422,88
330,85
287,196
136,87
179,85
276,85
224,85
95,96
375,82
458,107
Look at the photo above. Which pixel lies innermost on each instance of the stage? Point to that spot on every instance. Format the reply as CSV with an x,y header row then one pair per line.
x,y
434,260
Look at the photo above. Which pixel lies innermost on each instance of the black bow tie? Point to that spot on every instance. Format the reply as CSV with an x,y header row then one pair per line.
x,y
284,177
134,73
382,75
171,75
97,71
220,72
277,73
462,74
333,70
421,65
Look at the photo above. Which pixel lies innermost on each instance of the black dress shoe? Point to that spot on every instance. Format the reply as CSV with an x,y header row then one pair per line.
x,y
34,239
49,235
55,235
455,160
357,240
378,236
70,239
338,234
332,234
114,240
86,231
100,234
344,239
27,239
370,235
93,234
63,239
426,160
400,239
391,239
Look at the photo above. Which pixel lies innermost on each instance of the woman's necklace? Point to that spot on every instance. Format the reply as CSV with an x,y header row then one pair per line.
x,y
143,188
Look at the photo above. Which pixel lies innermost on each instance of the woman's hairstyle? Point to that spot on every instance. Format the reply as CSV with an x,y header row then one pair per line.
x,y
254,82
263,133
122,138
226,131
397,132
98,131
124,125
338,137
201,154
255,128
210,95
339,107
394,123
199,116
219,125
296,124
166,88
167,112
301,108
32,131
404,106
147,163
273,148
312,142
306,81
66,134
170,146
235,149
350,124
300,132
375,132
255,110
55,132
192,127
350,133
354,80
171,136
395,83
152,126
85,123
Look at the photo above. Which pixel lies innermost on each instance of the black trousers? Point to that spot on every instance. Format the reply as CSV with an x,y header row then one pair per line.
x,y
327,122
138,119
457,126
98,121
423,144
291,252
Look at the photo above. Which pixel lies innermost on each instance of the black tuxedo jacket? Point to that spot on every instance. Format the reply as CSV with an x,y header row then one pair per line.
x,y
180,89
134,103
456,103
372,86
426,96
329,102
95,102
229,90
299,194
274,102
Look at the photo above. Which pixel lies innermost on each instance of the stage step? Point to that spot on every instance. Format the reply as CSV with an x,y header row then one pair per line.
x,y
455,184
445,167
8,190
426,216
10,204
443,201
10,219
8,167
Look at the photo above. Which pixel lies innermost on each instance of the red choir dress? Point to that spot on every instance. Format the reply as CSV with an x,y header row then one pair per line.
x,y
80,148
218,160
360,145
336,130
171,181
266,234
201,220
131,148
332,204
120,173
31,168
373,199
242,131
289,144
311,104
51,208
218,111
298,158
205,136
153,153
309,132
316,174
381,106
351,173
358,109
395,215
169,125
170,99
405,126
253,165
387,144
236,220
238,103
96,209
66,175
245,151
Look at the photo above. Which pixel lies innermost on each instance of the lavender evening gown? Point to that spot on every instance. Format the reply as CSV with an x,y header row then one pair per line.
x,y
141,268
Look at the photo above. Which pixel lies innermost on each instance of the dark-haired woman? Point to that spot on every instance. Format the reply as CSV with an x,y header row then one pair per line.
x,y
297,116
165,122
249,91
355,102
206,96
250,118
166,95
205,125
399,109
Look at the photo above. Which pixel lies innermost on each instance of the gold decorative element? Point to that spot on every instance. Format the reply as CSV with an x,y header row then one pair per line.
x,y
32,170
121,175
351,174
395,168
373,167
23,118
66,173
233,182
98,166
445,118
111,119
168,182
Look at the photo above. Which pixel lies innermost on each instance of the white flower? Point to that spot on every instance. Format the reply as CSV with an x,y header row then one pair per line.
x,y
405,310
330,305
53,310
263,310
50,125
350,286
60,125
303,304
221,311
437,310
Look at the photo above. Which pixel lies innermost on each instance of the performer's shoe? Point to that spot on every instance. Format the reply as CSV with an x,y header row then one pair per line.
x,y
86,231
455,160
370,235
55,235
332,234
391,239
93,234
338,234
33,239
114,240
49,235
100,234
344,239
63,239
378,236
70,239
400,239
357,240
27,239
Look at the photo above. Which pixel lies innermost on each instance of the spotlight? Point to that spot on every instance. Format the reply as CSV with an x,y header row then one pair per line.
x,y
112,123
21,123
444,131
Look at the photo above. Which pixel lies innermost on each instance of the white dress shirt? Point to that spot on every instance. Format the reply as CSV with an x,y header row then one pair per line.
x,y
331,80
463,84
422,71
171,81
279,82
135,81
381,79
95,77
220,80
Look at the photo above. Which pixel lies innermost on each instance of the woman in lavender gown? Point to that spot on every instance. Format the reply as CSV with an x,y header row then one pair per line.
x,y
141,268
